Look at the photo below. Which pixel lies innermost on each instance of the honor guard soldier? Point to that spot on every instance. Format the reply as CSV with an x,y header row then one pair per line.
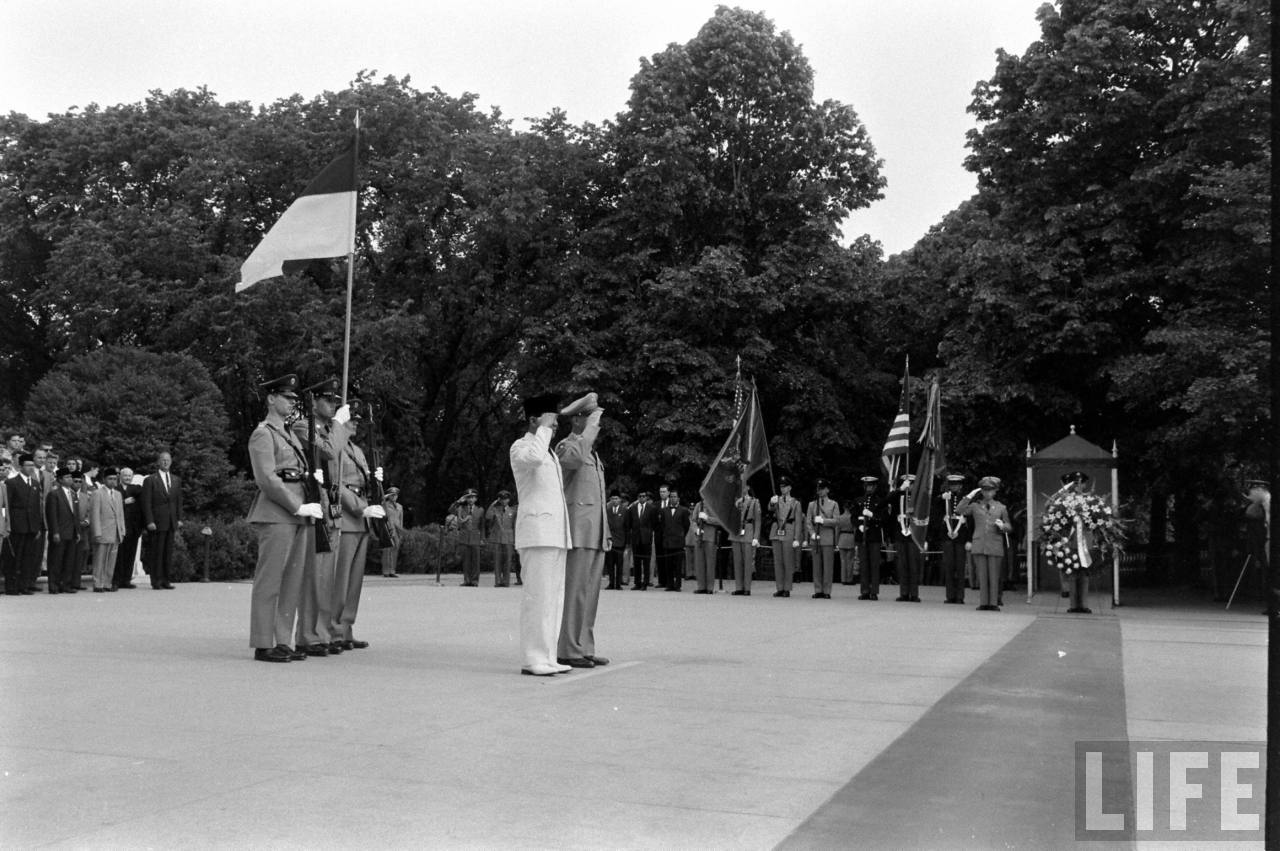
x,y
868,514
705,535
910,558
354,477
952,535
282,519
745,538
820,520
314,605
467,519
500,533
788,528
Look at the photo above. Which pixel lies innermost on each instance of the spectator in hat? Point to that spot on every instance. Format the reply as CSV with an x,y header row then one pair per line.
x,y
106,529
990,524
395,528
21,553
616,515
787,516
500,532
467,519
62,522
820,522
542,537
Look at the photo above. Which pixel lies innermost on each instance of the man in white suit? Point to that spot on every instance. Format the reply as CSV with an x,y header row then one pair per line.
x,y
106,530
542,537
584,496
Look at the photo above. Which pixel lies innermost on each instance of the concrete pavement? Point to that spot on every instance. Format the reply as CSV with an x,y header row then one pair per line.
x,y
138,720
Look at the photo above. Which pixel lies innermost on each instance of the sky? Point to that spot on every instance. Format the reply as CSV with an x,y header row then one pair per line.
x,y
907,67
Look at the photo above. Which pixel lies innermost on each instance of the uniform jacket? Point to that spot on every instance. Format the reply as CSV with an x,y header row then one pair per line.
x,y
674,524
160,506
331,440
355,481
26,506
395,521
699,530
60,517
824,533
468,520
500,524
616,516
4,511
747,519
940,513
987,539
542,519
584,493
272,449
106,516
787,515
642,525
864,527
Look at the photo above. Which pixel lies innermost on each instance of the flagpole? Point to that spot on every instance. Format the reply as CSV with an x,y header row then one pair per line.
x,y
351,250
906,397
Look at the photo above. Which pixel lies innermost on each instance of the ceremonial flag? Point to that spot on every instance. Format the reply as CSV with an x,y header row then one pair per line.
x,y
933,462
744,454
898,444
320,223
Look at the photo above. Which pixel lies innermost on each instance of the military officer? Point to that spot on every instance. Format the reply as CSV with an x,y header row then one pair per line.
x,y
788,529
990,525
744,537
354,479
952,534
868,515
910,558
467,518
500,532
281,518
314,615
705,534
820,522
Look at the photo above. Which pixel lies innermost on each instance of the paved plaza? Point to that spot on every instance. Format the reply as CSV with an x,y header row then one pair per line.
x,y
138,720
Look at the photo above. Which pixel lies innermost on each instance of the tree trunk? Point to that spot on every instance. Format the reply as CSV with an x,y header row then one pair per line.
x,y
1157,540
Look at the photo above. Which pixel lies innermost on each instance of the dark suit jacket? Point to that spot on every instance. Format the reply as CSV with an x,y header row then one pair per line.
x,y
641,524
158,507
675,526
26,507
58,516
132,510
617,525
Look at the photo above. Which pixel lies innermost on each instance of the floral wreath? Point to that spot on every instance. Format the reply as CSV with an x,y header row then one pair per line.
x,y
1074,523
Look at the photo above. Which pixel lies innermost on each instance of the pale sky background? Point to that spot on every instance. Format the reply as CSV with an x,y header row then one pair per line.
x,y
908,67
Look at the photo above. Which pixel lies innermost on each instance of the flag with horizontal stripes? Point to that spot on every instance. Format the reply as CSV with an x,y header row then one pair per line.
x,y
898,444
320,223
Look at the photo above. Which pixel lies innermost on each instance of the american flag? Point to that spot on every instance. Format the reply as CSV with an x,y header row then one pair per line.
x,y
898,444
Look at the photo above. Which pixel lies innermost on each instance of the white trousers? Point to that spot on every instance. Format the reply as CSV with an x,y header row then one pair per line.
x,y
542,604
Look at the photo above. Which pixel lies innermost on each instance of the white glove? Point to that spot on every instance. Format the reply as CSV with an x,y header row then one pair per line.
x,y
309,509
702,515
795,544
755,542
773,500
374,512
866,512
377,474
342,416
818,520
318,475
974,493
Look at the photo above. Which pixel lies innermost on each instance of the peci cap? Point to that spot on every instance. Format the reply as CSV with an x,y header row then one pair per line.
x,y
58,473
584,405
109,471
543,403
285,385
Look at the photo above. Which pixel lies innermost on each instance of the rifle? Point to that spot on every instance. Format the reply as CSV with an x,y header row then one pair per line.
x,y
379,533
310,487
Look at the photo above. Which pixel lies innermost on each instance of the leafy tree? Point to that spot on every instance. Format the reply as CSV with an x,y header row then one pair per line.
x,y
119,405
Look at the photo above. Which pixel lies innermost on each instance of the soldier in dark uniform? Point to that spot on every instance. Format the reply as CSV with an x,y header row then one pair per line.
x,y
951,531
910,558
868,515
281,517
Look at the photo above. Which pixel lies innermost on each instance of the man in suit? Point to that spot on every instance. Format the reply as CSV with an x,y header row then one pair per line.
x,y
788,529
62,524
281,517
642,524
584,498
674,524
951,531
616,514
542,537
820,520
106,529
127,552
84,488
355,480
500,532
21,558
744,537
162,515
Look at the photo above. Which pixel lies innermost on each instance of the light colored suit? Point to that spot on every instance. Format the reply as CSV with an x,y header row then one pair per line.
x,y
106,531
282,535
543,540
585,499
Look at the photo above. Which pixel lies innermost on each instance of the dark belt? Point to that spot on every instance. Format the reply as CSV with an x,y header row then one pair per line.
x,y
291,475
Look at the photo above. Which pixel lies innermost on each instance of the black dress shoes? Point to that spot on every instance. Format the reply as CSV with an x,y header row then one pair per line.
x,y
353,644
167,587
128,585
271,654
1080,610
599,660
576,663
335,647
739,593
864,596
294,655
314,649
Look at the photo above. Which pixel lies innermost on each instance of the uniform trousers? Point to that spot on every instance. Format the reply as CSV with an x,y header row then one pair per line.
x,y
104,564
471,564
613,565
704,563
784,564
953,567
582,569
988,569
277,582
910,562
848,564
868,555
315,601
824,563
542,603
744,564
390,555
501,564
348,580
